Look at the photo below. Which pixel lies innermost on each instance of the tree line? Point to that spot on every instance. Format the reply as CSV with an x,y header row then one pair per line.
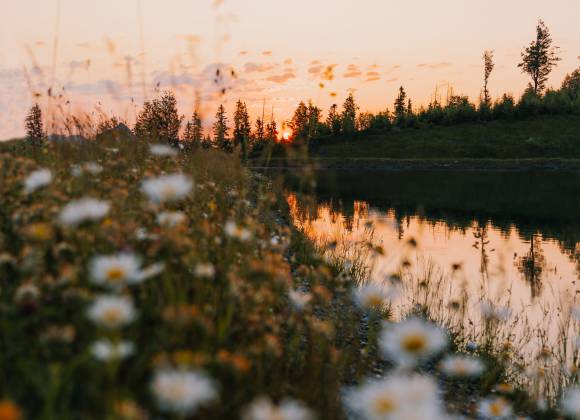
x,y
160,120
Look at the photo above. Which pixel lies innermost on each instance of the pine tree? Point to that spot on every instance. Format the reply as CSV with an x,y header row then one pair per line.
x,y
348,117
271,131
400,109
539,58
488,66
193,134
333,121
313,120
34,128
409,110
159,120
242,125
299,122
220,130
260,132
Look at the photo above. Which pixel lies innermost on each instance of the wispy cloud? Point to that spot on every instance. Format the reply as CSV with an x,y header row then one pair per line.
x,y
281,78
439,65
258,67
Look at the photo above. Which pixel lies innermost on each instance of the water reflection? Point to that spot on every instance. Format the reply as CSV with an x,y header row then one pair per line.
x,y
465,258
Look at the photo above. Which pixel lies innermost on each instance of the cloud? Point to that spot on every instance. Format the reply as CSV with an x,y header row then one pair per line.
x,y
316,69
281,78
351,73
243,53
266,52
352,67
288,61
392,79
439,65
373,79
258,67
373,74
165,78
96,88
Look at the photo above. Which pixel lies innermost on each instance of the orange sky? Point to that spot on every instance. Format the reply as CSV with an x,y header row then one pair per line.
x,y
278,50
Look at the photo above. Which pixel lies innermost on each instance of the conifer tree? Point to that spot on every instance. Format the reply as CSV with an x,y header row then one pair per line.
x,y
159,120
220,130
333,121
488,66
34,127
348,117
400,109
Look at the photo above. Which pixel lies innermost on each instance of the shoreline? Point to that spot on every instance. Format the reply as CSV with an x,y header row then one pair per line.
x,y
462,164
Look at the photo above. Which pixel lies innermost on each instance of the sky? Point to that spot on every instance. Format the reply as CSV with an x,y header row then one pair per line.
x,y
108,56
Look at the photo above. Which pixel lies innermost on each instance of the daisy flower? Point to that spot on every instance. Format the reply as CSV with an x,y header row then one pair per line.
x,y
167,188
289,409
494,408
372,296
299,299
112,311
460,366
171,218
115,270
232,230
396,397
37,179
204,270
182,391
106,350
571,403
82,210
411,341
162,150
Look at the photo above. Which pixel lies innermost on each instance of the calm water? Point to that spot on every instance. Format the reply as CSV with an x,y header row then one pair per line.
x,y
514,236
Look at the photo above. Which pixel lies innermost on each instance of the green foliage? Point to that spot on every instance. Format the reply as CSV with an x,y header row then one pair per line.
x,y
220,130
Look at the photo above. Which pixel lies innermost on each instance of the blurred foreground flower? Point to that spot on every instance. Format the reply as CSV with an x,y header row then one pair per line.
x,y
288,409
167,188
183,391
112,311
82,210
106,350
411,341
461,366
37,179
162,150
299,299
372,296
171,218
115,270
571,402
396,397
237,232
495,408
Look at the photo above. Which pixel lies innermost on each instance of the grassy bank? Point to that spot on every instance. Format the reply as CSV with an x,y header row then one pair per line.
x,y
167,298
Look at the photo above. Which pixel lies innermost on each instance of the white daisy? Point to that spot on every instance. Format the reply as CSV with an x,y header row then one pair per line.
x,y
411,341
171,218
460,366
396,397
115,271
106,350
232,230
82,210
183,391
112,311
571,402
299,299
289,409
162,150
167,187
494,408
37,179
372,296
150,271
204,270
491,312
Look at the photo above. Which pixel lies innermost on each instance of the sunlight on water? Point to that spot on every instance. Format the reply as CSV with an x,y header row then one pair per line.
x,y
459,273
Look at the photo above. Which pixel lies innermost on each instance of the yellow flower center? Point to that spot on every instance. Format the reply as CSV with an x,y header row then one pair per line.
x,y
414,343
112,315
40,231
384,405
168,191
374,301
115,274
496,407
176,392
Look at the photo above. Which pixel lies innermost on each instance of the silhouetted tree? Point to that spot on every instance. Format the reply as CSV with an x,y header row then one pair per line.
x,y
400,109
242,127
365,121
409,107
34,127
220,130
348,117
333,121
539,58
572,81
271,131
206,142
313,120
159,120
193,134
488,66
532,265
299,121
260,132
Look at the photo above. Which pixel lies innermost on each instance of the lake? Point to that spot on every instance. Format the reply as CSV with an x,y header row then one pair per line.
x,y
466,244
